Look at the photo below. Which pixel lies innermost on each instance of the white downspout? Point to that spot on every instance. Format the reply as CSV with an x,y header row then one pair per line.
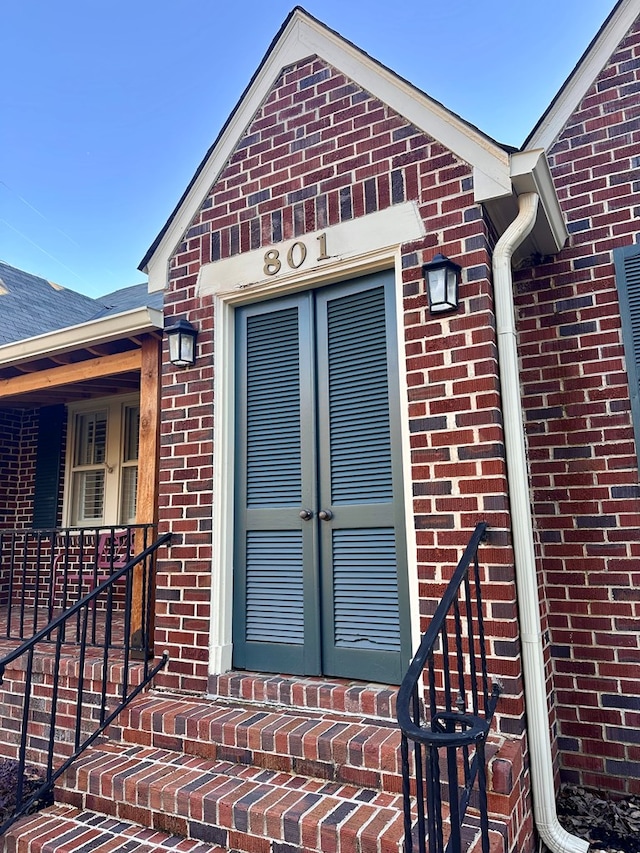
x,y
544,807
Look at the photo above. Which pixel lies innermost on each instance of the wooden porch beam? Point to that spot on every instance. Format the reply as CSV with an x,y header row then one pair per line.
x,y
69,374
148,455
148,480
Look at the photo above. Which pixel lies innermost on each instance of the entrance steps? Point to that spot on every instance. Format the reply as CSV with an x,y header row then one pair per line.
x,y
268,765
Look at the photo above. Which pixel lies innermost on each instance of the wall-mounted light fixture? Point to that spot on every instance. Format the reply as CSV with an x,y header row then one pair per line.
x,y
182,343
442,277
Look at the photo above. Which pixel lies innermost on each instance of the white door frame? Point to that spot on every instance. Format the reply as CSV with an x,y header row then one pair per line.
x,y
215,279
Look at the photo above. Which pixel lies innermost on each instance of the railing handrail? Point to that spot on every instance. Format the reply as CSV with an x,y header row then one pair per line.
x,y
78,527
437,720
66,615
426,647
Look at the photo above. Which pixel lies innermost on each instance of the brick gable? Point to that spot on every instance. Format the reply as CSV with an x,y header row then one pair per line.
x,y
321,151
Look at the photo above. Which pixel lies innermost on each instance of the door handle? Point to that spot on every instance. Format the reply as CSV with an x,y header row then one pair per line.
x,y
325,514
306,514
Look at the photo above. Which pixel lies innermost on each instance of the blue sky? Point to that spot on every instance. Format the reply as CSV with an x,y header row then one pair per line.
x,y
108,106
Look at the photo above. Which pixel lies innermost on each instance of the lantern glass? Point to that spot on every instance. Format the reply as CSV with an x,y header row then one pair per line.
x,y
182,339
181,349
442,277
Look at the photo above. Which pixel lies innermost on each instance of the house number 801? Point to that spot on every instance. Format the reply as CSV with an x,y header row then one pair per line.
x,y
296,256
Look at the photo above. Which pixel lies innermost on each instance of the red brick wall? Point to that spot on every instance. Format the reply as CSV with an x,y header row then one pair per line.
x,y
10,420
18,429
583,458
322,151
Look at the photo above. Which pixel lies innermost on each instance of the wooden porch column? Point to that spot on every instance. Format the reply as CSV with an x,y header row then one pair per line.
x,y
148,475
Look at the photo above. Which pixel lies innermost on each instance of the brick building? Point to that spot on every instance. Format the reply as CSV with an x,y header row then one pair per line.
x,y
338,434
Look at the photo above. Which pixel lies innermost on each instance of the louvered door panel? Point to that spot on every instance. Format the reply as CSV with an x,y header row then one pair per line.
x,y
276,612
360,439
365,590
363,632
275,589
274,476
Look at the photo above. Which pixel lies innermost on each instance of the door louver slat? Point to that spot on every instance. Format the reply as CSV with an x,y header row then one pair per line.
x,y
365,589
274,587
273,410
358,398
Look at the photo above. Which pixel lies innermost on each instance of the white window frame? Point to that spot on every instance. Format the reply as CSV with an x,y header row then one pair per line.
x,y
116,408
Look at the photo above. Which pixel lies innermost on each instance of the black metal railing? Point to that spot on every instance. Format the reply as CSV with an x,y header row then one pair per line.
x,y
445,708
44,572
74,716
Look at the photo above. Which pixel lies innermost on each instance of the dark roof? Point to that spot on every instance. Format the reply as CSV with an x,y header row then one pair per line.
x,y
128,298
31,305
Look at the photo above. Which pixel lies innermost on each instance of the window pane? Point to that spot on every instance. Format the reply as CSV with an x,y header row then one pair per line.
x,y
89,496
131,433
91,438
128,500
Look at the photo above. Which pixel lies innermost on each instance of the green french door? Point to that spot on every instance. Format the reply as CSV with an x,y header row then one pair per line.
x,y
319,574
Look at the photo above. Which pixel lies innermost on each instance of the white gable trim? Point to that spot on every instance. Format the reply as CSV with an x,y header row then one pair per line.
x,y
302,38
582,77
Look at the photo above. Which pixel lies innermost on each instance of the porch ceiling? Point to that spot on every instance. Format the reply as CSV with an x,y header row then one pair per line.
x,y
96,370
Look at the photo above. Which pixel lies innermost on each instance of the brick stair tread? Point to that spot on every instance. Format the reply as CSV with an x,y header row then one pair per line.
x,y
65,829
335,747
339,695
233,805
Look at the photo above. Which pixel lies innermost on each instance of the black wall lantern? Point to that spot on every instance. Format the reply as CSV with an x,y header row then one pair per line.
x,y
182,343
442,277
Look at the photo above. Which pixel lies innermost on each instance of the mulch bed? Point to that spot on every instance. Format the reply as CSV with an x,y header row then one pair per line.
x,y
611,825
32,780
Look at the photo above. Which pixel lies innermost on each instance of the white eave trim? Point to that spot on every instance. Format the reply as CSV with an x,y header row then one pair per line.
x,y
530,173
583,76
102,330
305,37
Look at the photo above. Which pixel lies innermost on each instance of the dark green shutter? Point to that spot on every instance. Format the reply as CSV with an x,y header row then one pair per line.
x,y
274,476
358,393
627,263
46,491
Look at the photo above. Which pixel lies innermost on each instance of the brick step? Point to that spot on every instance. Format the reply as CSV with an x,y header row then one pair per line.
x,y
334,747
337,695
236,806
62,828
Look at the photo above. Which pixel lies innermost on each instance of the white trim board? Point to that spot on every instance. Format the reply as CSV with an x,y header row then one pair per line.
x,y
355,238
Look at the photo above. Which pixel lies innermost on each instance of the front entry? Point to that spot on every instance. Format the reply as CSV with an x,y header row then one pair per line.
x,y
320,581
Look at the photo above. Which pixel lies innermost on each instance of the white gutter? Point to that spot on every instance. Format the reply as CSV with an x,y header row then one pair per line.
x,y
544,807
92,332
